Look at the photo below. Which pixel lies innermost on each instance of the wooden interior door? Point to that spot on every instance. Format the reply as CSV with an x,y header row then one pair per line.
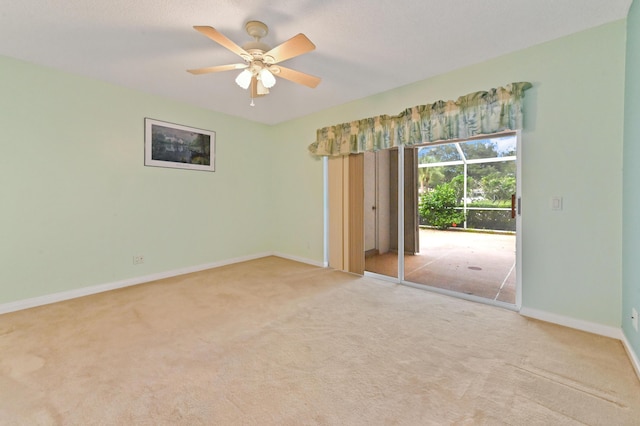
x,y
346,213
356,214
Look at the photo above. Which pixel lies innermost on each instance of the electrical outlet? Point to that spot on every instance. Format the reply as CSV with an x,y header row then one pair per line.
x,y
138,260
634,318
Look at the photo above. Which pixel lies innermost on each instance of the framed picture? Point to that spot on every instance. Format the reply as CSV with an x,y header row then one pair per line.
x,y
178,147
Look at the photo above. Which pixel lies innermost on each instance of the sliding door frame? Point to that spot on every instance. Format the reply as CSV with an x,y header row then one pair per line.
x,y
401,278
350,196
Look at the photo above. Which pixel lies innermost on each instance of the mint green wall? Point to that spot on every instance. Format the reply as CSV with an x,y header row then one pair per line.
x,y
631,187
298,181
572,147
78,203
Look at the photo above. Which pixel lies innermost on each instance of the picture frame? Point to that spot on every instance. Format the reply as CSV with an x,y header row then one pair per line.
x,y
178,147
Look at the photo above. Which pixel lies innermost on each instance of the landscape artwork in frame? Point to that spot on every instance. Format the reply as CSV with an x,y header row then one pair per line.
x,y
177,146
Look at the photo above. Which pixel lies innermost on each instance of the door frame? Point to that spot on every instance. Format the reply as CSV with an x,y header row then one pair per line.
x,y
400,279
518,267
371,202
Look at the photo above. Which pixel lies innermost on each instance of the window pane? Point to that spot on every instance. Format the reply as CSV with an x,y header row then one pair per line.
x,y
438,154
489,148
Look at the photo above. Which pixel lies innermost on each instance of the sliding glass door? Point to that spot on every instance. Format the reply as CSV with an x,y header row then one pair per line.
x,y
456,204
381,215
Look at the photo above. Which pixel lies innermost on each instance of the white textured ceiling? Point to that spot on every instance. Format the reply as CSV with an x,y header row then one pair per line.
x,y
363,47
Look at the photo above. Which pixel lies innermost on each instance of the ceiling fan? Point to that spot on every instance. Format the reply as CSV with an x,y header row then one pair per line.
x,y
259,67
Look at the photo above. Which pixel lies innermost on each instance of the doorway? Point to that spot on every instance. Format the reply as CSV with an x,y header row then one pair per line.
x,y
371,194
459,214
381,210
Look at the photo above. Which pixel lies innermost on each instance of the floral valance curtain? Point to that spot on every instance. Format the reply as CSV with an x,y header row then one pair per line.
x,y
479,113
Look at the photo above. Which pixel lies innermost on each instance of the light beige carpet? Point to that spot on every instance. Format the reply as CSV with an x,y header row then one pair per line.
x,y
275,342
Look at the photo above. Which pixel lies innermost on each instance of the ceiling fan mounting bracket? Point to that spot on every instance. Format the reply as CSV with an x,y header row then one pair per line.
x,y
256,29
256,48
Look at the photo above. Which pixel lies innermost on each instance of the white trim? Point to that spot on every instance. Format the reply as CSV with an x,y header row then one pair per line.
x,y
401,213
519,196
100,288
301,259
590,327
325,211
633,357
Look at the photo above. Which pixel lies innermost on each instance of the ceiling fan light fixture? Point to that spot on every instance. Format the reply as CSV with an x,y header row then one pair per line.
x,y
244,79
267,79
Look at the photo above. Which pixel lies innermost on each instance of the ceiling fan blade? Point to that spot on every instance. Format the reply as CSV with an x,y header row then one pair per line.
x,y
298,77
222,40
291,48
218,68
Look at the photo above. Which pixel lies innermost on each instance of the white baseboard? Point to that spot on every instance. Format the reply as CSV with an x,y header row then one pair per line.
x,y
301,259
86,291
633,357
590,327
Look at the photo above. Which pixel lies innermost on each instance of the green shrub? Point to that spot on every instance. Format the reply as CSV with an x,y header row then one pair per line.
x,y
438,207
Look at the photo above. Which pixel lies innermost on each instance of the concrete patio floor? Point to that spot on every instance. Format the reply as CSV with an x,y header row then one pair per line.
x,y
480,264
